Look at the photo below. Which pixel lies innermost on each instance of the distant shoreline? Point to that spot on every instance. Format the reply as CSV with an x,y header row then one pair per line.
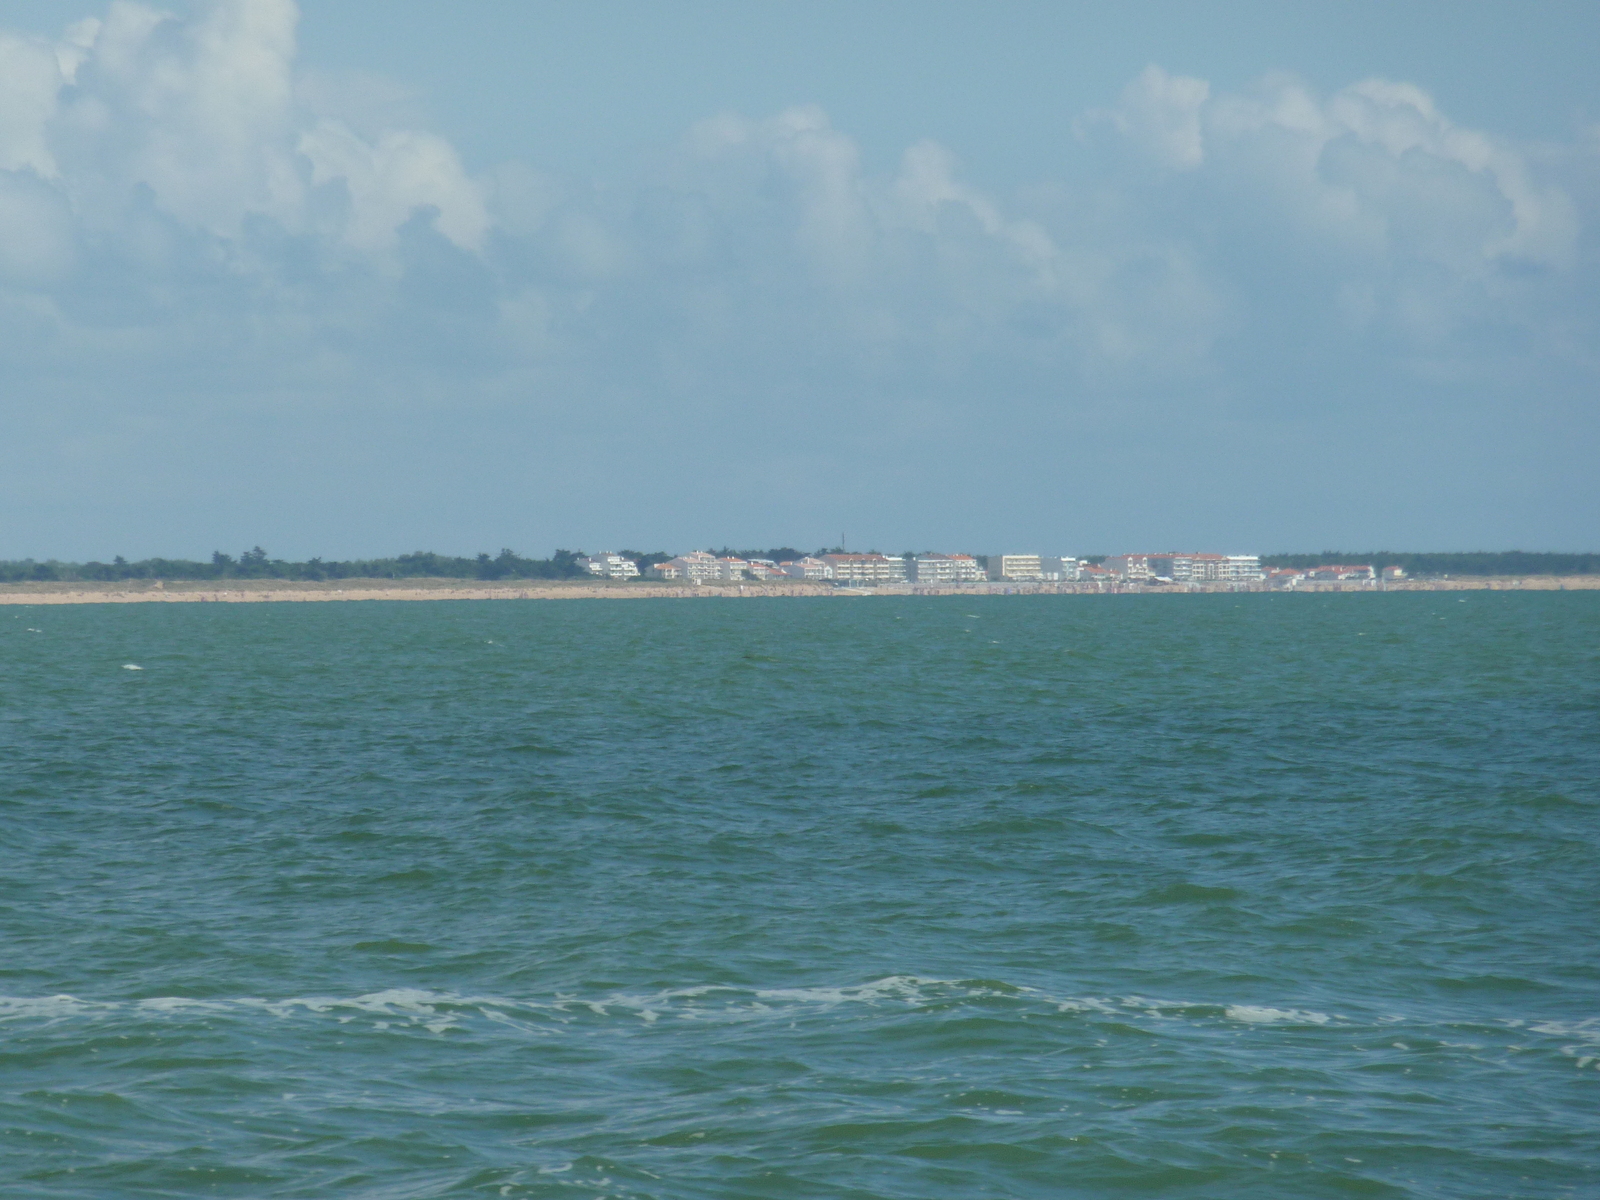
x,y
250,591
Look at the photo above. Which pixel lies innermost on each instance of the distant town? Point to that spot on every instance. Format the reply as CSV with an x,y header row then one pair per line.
x,y
1240,571
789,571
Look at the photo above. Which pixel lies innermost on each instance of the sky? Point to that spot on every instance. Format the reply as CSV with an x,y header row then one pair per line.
x,y
352,279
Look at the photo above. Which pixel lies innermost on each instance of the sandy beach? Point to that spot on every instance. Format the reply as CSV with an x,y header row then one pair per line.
x,y
254,591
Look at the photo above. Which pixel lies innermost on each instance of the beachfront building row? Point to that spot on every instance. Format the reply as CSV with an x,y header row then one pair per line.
x,y
873,570
864,570
947,568
1186,568
1334,573
701,566
1035,568
845,568
698,566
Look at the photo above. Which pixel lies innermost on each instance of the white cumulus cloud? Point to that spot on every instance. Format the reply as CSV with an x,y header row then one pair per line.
x,y
202,116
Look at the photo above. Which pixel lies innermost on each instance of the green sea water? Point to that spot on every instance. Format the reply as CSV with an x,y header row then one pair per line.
x,y
1250,896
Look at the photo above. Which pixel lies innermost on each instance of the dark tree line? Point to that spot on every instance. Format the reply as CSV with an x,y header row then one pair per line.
x,y
777,554
257,564
1476,562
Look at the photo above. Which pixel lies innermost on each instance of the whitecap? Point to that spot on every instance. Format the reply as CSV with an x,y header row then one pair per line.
x,y
132,667
1587,1030
173,1004
1086,1004
1256,1015
47,1007
438,1012
1585,1035
906,988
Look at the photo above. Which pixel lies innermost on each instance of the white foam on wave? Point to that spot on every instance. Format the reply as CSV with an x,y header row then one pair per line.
x,y
436,1012
1256,1015
1585,1049
183,1004
892,987
1587,1030
1082,1004
48,1007
440,1012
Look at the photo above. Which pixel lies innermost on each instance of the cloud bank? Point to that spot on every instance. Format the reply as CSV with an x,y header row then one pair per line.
x,y
228,303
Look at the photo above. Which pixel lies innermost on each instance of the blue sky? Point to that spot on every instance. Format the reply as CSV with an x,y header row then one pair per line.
x,y
351,279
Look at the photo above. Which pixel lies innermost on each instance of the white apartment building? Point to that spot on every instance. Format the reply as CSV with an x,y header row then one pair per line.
x,y
1017,568
763,568
807,568
1196,568
697,567
1188,568
869,569
1340,573
1180,568
1241,568
1334,573
610,566
1065,568
731,570
1130,566
948,568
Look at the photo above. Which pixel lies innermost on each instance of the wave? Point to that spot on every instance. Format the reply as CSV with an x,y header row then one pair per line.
x,y
442,1010
898,1006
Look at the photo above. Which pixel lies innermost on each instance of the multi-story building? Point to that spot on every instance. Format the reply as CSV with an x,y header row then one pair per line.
x,y
697,567
1193,568
869,569
1165,566
1240,568
763,568
806,568
610,566
1341,573
948,568
1333,573
1064,568
731,570
1016,568
1188,568
1131,566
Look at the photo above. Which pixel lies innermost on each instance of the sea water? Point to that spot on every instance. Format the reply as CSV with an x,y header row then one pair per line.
x,y
1191,896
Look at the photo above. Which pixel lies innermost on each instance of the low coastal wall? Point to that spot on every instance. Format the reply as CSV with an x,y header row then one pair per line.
x,y
252,591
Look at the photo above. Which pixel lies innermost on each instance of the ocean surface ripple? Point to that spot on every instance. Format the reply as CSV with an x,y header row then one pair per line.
x,y
1247,896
